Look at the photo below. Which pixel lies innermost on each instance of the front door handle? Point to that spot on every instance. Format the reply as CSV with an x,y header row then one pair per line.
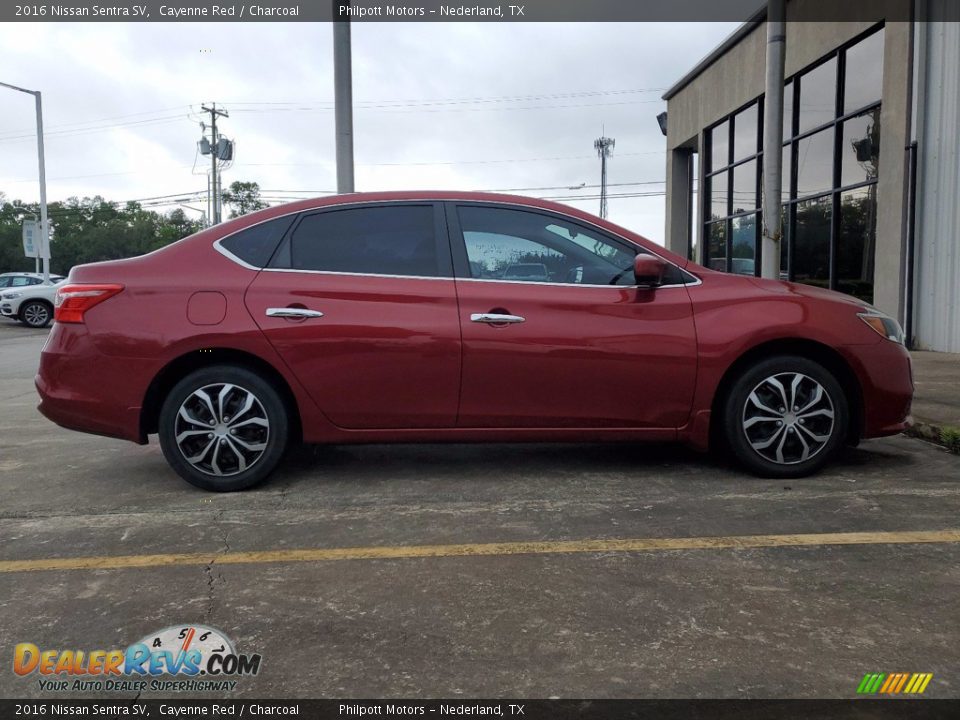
x,y
293,312
496,318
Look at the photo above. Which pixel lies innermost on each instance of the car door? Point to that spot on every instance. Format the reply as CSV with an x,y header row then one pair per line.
x,y
573,343
361,304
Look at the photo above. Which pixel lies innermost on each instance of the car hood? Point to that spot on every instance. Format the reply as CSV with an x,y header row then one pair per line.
x,y
782,287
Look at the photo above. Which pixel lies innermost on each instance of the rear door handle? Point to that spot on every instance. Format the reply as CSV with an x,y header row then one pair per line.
x,y
292,312
496,318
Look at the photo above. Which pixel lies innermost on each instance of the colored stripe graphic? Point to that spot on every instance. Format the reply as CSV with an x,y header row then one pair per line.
x,y
894,683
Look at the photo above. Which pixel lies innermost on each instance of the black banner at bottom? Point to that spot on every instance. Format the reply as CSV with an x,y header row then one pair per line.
x,y
873,709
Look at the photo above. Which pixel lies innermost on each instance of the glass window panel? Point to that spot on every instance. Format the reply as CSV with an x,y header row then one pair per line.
x,y
815,163
818,95
864,73
860,150
785,174
743,249
717,245
746,125
811,257
745,187
717,197
788,110
785,243
856,242
396,240
720,146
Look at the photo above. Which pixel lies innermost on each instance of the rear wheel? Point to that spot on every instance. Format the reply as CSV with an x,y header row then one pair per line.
x,y
35,314
223,428
785,417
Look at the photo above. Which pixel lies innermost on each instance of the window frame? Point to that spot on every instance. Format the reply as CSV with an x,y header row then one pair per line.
x,y
706,199
281,260
792,138
461,264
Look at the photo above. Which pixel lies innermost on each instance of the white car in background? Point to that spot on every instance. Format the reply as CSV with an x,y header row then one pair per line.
x,y
25,297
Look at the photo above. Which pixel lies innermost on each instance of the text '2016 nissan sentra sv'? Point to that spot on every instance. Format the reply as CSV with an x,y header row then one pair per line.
x,y
462,317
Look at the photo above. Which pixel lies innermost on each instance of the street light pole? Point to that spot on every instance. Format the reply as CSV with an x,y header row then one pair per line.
x,y
44,223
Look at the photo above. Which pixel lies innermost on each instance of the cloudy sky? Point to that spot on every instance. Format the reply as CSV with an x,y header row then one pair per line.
x,y
439,106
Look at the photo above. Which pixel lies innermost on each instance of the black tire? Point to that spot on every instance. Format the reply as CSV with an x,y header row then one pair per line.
x,y
819,428
233,435
35,314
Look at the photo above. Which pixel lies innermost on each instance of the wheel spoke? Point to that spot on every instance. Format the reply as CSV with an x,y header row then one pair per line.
x,y
247,404
193,460
806,447
185,414
822,412
241,460
205,398
221,398
257,447
190,433
252,421
759,419
764,444
813,436
817,396
216,456
794,388
781,389
756,401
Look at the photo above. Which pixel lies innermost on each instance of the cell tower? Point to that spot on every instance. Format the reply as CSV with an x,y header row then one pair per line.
x,y
603,146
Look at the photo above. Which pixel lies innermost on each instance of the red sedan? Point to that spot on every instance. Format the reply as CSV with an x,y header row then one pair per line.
x,y
459,317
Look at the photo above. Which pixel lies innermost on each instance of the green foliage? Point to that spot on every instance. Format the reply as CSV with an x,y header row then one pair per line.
x,y
950,437
89,230
243,198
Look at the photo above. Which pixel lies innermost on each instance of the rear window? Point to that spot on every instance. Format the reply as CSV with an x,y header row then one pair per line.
x,y
256,244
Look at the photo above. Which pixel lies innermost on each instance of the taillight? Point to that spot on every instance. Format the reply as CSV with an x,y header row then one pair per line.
x,y
72,301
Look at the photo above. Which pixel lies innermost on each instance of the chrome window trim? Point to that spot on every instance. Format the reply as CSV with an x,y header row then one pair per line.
x,y
229,255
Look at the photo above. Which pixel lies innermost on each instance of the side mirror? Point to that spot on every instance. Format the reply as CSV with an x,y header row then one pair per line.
x,y
648,270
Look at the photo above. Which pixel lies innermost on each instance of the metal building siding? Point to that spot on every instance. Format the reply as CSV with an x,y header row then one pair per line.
x,y
938,199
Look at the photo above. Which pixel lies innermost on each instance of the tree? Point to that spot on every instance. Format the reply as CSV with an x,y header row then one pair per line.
x,y
89,230
243,198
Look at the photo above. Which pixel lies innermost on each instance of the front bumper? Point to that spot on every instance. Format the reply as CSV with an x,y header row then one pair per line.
x,y
886,381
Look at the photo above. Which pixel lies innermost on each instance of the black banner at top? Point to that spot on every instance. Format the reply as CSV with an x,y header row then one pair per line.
x,y
470,11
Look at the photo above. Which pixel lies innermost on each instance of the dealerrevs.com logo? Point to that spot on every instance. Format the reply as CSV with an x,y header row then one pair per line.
x,y
178,658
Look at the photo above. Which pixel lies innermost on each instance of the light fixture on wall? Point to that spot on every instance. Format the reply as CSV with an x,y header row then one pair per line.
x,y
662,122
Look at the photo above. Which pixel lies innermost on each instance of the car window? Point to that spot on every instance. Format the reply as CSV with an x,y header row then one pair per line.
x,y
5,281
21,282
385,240
256,244
506,244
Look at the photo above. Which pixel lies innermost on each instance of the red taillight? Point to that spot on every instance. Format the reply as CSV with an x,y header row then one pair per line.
x,y
72,301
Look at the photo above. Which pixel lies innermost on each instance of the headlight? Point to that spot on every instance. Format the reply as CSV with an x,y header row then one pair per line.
x,y
10,296
882,324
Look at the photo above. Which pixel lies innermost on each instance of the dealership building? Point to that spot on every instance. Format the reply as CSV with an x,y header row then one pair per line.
x,y
871,169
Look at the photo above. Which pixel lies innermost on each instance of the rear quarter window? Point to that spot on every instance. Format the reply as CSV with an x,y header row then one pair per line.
x,y
255,245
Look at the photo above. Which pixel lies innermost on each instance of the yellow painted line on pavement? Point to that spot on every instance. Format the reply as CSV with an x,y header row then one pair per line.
x,y
735,542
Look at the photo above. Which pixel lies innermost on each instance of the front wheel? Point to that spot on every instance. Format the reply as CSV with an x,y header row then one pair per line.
x,y
35,314
785,417
223,428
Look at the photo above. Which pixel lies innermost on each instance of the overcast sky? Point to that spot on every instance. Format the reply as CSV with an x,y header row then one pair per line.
x,y
441,106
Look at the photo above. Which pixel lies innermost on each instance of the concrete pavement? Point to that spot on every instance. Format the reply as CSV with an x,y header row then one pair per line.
x,y
788,621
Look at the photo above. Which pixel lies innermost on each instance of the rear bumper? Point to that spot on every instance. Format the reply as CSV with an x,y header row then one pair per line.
x,y
83,389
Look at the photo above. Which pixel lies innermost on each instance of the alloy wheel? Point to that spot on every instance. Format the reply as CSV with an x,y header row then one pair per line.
x,y
36,315
788,418
222,429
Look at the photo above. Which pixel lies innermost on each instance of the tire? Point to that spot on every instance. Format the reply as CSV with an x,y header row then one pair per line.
x,y
217,452
35,314
764,431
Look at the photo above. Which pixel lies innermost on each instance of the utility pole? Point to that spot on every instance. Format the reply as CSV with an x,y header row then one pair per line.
x,y
603,146
44,222
343,98
773,139
214,188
